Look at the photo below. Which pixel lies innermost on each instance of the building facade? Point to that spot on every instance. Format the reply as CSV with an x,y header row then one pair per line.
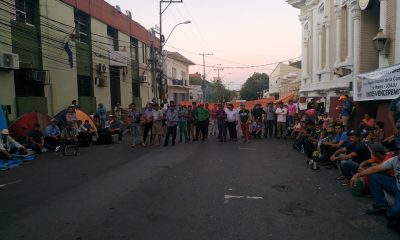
x,y
195,93
337,43
284,80
176,66
65,49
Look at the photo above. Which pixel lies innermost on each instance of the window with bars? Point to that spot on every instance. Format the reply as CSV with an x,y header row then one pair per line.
x,y
25,11
82,26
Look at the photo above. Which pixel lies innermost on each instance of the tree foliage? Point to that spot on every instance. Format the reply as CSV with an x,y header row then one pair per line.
x,y
254,86
217,92
195,80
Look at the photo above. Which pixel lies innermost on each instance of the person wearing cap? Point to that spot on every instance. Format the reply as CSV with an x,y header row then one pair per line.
x,y
281,112
349,158
202,117
8,146
345,110
232,117
36,139
245,120
52,135
380,181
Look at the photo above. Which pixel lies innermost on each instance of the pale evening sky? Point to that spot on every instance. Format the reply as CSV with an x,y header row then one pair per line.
x,y
239,33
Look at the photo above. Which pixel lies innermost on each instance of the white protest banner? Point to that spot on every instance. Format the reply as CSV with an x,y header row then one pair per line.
x,y
380,84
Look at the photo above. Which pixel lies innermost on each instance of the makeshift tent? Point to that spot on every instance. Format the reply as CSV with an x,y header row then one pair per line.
x,y
3,120
24,124
80,115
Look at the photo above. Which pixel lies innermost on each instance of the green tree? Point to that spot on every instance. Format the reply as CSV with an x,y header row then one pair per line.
x,y
254,86
296,64
217,92
195,80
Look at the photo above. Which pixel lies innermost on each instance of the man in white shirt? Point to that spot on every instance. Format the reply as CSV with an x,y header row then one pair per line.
x,y
232,117
281,113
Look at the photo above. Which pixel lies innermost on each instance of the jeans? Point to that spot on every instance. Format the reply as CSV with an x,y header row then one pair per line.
x,y
232,130
136,134
183,130
348,168
170,131
290,120
221,130
148,129
269,128
379,182
203,128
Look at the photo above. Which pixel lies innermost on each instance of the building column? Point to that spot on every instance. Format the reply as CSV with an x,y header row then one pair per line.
x,y
356,12
397,41
349,58
327,67
319,29
315,49
338,15
383,59
304,49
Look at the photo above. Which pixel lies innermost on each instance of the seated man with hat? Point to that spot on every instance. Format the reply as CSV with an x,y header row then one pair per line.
x,y
52,135
349,158
8,146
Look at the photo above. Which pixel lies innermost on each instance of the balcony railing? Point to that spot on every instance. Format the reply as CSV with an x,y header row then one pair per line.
x,y
179,82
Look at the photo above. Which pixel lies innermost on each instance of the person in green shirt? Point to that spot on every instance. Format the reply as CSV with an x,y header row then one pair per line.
x,y
202,116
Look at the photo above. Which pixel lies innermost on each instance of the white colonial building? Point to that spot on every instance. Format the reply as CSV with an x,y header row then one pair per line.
x,y
337,42
284,80
176,67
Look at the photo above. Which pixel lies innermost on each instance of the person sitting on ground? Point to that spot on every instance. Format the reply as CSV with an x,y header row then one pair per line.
x,y
349,158
52,135
8,146
36,139
116,127
326,120
83,134
367,122
341,140
90,129
379,182
257,127
69,136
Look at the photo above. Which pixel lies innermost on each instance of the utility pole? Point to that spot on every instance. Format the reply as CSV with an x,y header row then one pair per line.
x,y
203,86
153,63
219,69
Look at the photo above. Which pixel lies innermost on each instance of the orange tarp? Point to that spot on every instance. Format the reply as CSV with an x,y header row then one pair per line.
x,y
286,98
248,104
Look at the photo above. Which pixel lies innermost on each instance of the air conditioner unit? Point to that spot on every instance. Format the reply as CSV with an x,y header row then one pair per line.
x,y
118,8
38,76
102,68
9,60
129,14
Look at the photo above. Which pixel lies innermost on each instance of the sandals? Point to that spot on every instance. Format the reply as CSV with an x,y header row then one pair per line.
x,y
341,178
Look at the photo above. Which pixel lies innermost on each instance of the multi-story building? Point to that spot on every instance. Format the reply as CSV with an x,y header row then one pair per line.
x,y
62,50
176,67
195,93
340,41
284,80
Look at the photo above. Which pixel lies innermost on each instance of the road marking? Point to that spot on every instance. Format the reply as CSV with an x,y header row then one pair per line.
x,y
228,197
248,149
6,184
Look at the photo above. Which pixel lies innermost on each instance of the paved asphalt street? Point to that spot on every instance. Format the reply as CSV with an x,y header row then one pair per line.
x,y
209,190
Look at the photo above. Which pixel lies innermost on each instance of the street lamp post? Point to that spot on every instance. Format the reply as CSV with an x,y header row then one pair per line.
x,y
169,35
162,38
